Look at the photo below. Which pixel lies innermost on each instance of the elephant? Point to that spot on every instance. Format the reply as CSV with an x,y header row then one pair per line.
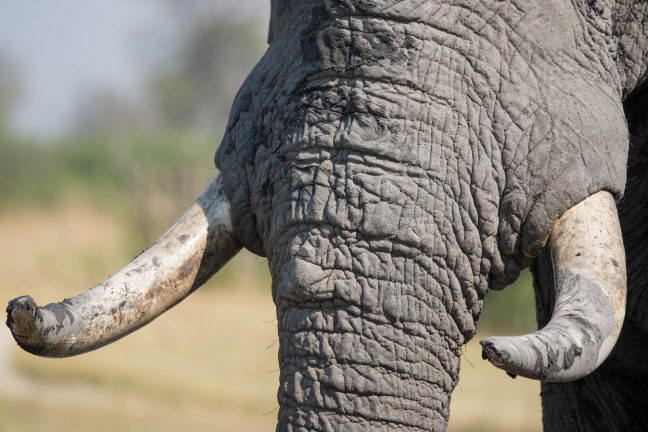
x,y
396,159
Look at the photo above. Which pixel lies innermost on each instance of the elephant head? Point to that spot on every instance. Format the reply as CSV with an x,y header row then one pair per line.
x,y
394,160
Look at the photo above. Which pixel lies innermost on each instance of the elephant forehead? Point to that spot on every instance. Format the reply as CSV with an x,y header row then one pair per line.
x,y
384,121
459,102
357,32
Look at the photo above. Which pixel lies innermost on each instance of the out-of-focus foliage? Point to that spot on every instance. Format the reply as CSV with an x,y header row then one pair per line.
x,y
9,91
195,71
144,158
196,91
512,310
146,180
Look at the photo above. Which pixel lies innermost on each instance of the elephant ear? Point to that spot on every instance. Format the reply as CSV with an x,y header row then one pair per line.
x,y
186,256
588,260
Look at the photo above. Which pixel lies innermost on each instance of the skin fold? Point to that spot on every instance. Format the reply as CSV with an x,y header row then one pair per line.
x,y
395,159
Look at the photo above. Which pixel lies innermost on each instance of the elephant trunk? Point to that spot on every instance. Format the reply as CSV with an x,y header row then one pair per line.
x,y
364,351
197,246
373,305
590,278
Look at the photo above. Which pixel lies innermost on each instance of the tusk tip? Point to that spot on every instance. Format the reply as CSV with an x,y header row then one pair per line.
x,y
21,312
490,352
505,353
23,318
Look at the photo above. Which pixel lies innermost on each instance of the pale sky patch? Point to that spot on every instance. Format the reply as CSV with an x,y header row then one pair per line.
x,y
65,48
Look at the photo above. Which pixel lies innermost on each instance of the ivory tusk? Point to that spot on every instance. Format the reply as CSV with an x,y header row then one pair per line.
x,y
588,259
185,257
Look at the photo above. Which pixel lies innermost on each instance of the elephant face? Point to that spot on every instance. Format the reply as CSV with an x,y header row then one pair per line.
x,y
394,160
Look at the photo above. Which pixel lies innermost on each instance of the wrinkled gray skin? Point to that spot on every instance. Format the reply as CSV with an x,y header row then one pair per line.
x,y
394,159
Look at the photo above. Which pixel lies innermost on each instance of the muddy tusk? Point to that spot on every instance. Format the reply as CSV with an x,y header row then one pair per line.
x,y
186,256
590,278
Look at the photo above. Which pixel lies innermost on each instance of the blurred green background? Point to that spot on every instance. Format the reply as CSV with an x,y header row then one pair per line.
x,y
78,200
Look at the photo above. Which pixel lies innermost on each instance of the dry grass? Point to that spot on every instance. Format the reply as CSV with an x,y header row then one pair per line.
x,y
208,365
486,399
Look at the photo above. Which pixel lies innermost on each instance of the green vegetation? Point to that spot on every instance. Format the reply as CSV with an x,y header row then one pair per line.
x,y
512,310
142,159
134,177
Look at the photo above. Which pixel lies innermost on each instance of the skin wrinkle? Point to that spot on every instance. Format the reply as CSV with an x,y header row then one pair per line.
x,y
377,371
406,374
345,420
395,158
382,409
421,294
